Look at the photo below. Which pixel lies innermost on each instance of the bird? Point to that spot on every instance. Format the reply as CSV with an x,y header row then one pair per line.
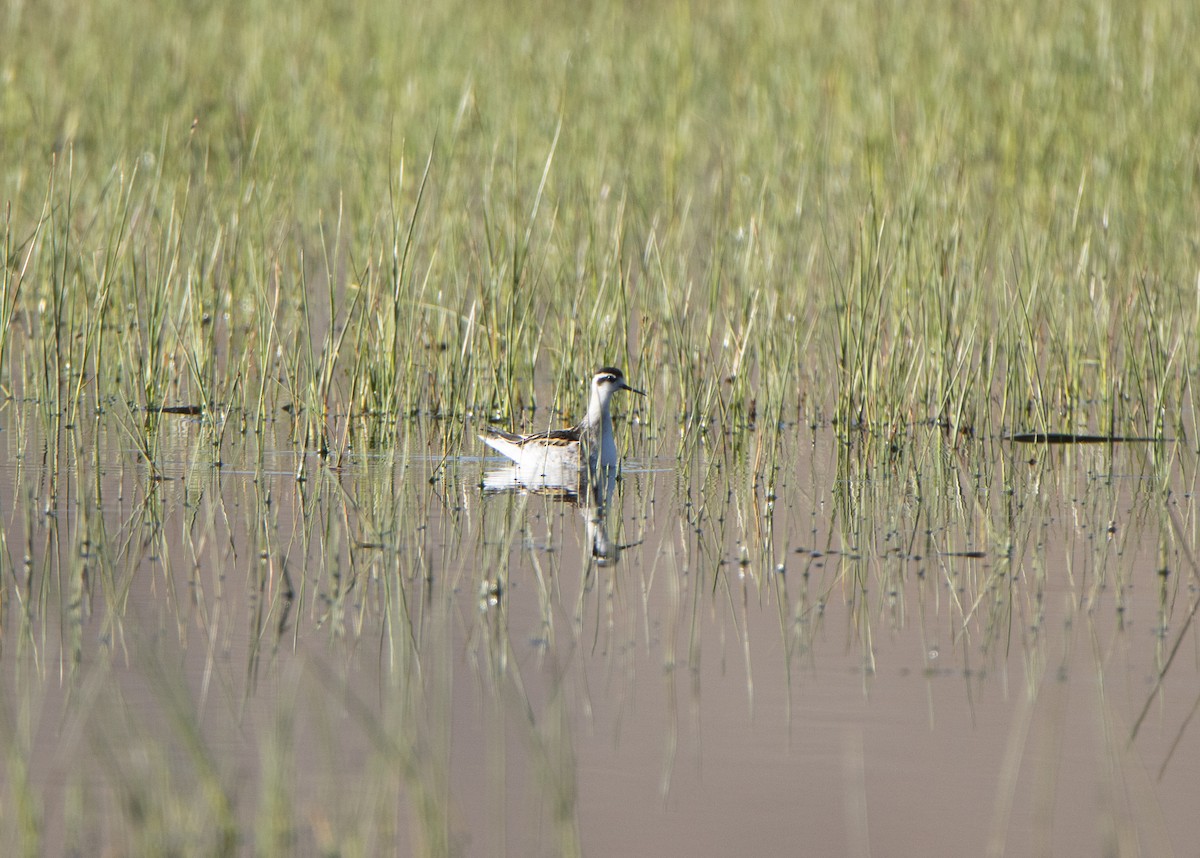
x,y
560,450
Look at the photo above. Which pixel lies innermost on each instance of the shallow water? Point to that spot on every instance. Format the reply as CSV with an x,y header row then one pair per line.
x,y
812,650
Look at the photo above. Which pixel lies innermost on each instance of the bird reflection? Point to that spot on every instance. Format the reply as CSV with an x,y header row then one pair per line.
x,y
605,551
591,489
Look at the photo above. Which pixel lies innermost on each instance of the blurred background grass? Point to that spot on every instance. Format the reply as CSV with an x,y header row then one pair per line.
x,y
984,214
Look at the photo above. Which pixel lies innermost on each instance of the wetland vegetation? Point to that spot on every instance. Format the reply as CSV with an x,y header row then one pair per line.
x,y
267,268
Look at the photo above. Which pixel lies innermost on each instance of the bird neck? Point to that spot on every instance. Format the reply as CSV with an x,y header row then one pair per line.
x,y
598,414
599,429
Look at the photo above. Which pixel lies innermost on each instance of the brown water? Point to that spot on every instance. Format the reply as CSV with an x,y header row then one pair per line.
x,y
945,655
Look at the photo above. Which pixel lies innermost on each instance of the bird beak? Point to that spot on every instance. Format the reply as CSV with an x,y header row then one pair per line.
x,y
625,386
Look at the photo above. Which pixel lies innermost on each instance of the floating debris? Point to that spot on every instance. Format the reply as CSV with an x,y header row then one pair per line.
x,y
1079,438
186,410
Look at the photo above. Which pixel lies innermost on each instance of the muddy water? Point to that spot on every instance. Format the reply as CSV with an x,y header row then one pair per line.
x,y
942,654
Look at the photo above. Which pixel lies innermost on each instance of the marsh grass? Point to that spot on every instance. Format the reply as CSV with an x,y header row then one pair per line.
x,y
344,237
760,225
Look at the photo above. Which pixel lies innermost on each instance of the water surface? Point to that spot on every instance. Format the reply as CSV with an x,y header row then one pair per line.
x,y
802,648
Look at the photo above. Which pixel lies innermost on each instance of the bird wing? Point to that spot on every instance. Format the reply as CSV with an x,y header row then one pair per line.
x,y
554,437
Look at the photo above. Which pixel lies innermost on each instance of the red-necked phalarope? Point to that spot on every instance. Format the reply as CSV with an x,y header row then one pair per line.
x,y
557,449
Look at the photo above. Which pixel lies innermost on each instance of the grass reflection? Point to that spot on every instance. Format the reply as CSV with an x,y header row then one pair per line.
x,y
296,657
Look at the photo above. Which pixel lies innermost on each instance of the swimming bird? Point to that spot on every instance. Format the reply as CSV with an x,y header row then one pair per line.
x,y
557,450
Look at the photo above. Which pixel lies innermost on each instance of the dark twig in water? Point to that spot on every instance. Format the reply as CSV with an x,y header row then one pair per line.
x,y
1078,438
